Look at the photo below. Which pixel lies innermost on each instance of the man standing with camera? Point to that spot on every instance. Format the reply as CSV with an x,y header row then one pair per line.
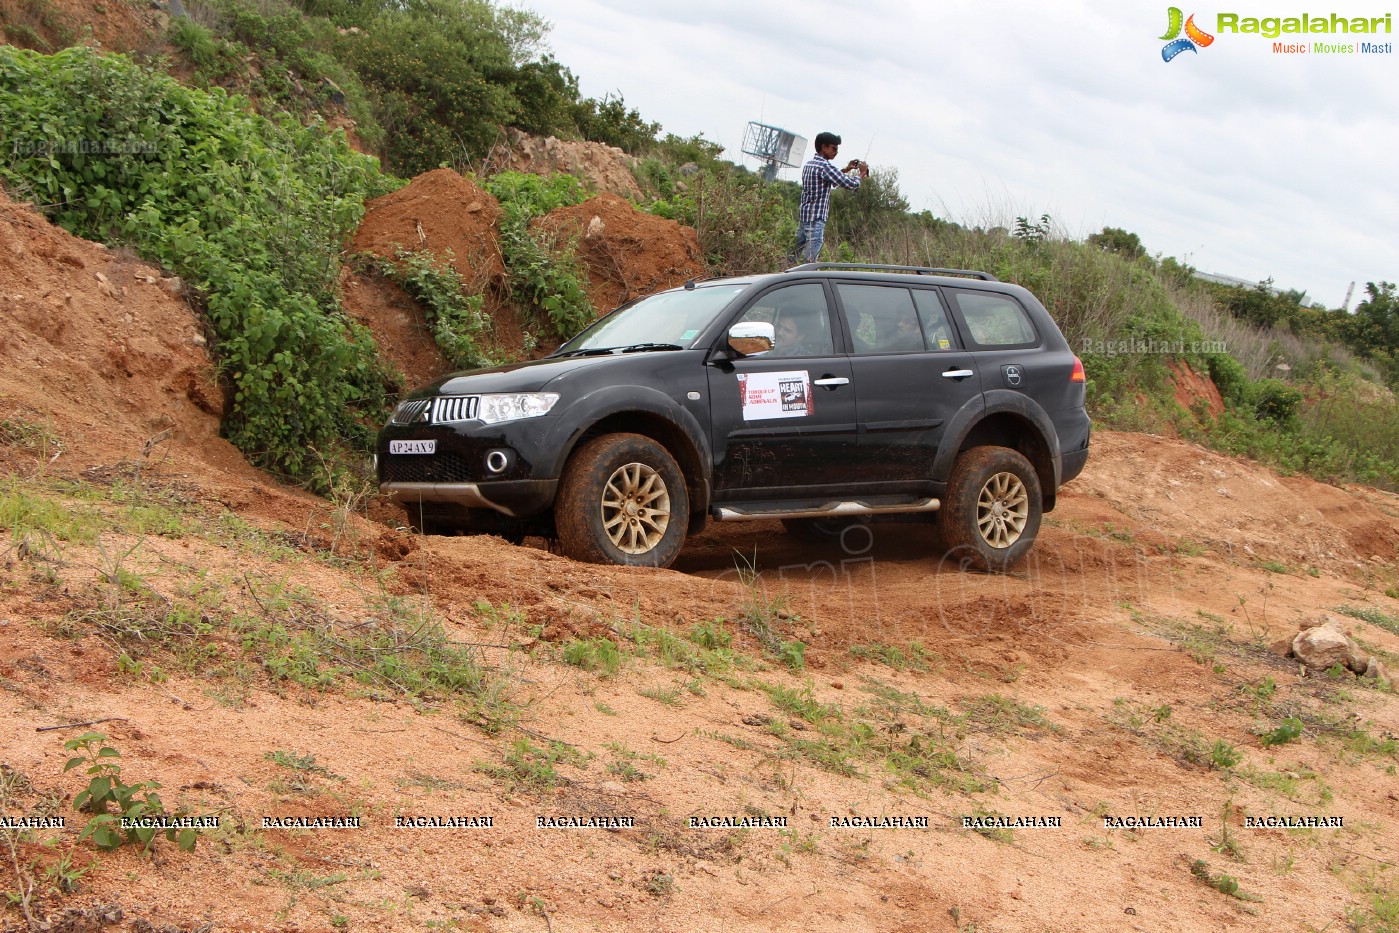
x,y
819,176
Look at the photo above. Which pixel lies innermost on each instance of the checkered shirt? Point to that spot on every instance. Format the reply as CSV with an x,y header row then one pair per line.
x,y
819,176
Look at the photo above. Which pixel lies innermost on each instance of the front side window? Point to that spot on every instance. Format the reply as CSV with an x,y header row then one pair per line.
x,y
798,316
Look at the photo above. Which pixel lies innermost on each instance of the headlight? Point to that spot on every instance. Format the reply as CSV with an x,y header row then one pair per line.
x,y
497,408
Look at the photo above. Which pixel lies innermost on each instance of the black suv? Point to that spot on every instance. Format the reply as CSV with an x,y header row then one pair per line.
x,y
816,395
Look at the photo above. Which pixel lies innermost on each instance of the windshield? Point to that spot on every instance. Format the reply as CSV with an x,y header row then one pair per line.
x,y
669,318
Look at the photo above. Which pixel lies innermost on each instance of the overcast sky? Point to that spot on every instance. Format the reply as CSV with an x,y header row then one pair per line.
x,y
1232,158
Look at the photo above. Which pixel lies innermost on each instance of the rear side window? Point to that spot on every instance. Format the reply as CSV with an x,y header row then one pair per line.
x,y
995,320
895,319
881,318
936,327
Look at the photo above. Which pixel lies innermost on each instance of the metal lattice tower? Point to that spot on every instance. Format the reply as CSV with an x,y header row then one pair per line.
x,y
775,147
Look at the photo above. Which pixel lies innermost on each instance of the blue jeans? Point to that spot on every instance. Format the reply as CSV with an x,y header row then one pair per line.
x,y
809,238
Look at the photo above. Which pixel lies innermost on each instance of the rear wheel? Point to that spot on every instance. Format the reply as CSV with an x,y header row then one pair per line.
x,y
993,508
622,500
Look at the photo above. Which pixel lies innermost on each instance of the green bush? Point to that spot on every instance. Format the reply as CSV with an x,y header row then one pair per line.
x,y
442,77
455,318
283,59
546,278
1229,376
1275,401
250,211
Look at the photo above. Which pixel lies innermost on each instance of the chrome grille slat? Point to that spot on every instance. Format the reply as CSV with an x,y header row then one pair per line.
x,y
447,408
410,411
440,410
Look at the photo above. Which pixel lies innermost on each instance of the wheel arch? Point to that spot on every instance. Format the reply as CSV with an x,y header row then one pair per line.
x,y
652,415
1011,420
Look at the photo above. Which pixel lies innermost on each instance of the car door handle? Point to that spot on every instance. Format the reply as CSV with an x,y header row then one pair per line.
x,y
958,374
830,382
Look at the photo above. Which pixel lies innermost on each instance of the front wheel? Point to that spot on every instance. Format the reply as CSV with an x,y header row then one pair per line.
x,y
993,508
622,500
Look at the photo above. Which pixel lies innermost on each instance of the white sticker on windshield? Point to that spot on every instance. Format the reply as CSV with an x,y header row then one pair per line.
x,y
689,335
775,395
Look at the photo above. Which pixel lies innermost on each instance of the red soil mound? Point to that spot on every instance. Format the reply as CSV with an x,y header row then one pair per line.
x,y
442,213
95,349
628,252
1192,388
398,324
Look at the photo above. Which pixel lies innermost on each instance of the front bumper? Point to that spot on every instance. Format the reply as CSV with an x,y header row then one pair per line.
x,y
516,498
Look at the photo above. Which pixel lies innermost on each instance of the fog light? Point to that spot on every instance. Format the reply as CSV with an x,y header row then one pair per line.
x,y
497,461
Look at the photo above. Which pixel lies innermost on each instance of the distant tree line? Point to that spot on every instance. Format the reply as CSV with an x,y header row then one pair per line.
x,y
1371,331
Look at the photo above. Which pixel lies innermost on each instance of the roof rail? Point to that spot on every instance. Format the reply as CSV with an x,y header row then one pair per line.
x,y
876,267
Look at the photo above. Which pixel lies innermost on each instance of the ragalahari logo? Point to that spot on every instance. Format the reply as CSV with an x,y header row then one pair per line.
x,y
1193,35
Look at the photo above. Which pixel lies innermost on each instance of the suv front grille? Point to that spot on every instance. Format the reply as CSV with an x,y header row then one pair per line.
x,y
454,408
439,410
410,411
446,467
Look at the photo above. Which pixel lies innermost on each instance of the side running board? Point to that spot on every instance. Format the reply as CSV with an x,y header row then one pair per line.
x,y
738,513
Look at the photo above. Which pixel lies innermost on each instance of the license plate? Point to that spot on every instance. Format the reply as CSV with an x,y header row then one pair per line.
x,y
413,447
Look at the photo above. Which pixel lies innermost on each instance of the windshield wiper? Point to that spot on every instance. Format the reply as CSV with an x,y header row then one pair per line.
x,y
633,348
639,347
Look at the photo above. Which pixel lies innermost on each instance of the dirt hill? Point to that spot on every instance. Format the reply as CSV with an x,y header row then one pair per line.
x,y
267,655
628,253
625,252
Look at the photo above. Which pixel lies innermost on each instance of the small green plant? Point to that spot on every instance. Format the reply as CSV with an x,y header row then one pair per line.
x,y
659,884
1289,731
595,654
547,275
1263,690
530,767
1375,617
1381,913
1224,884
62,877
711,635
995,713
304,762
668,696
1223,755
762,616
990,831
133,803
626,771
792,654
38,440
1227,844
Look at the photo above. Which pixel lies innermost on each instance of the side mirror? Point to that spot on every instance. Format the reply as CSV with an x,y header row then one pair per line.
x,y
750,338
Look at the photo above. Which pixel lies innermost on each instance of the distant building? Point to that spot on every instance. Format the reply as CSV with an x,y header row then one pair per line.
x,y
1244,283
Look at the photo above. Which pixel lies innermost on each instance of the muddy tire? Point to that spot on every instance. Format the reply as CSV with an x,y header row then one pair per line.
x,y
993,509
623,501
